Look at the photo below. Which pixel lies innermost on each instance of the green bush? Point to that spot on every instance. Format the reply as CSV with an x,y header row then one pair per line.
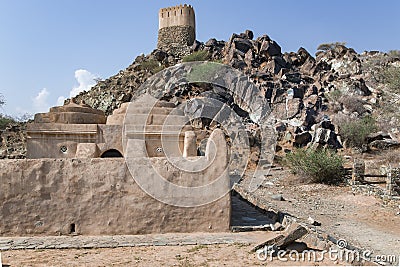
x,y
202,72
152,65
354,131
334,96
197,56
391,76
318,166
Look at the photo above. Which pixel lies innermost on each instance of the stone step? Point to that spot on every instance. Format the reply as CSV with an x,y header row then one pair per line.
x,y
142,119
160,104
155,129
156,119
153,110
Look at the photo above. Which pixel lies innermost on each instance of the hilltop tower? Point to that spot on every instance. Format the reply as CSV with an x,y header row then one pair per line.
x,y
177,29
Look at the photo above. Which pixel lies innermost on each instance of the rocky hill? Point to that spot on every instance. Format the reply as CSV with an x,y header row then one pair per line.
x,y
311,97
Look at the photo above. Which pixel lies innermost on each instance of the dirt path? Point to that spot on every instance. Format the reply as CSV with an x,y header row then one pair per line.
x,y
363,221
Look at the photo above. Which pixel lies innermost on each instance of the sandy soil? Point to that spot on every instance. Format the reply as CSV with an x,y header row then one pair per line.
x,y
184,256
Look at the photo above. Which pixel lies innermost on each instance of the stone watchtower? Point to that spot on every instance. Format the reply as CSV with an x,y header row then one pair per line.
x,y
176,30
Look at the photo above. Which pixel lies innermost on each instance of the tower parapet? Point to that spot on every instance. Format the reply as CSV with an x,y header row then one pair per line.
x,y
177,29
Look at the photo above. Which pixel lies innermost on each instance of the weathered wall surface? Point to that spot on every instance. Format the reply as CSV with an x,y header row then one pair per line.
x,y
176,16
98,196
176,39
46,139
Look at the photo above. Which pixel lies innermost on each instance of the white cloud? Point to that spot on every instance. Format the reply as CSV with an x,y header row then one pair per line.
x,y
85,80
60,101
40,101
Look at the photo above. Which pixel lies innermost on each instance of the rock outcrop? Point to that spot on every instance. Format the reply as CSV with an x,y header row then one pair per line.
x,y
309,95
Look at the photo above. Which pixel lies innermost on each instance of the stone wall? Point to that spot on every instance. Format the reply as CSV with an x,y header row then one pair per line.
x,y
96,197
176,39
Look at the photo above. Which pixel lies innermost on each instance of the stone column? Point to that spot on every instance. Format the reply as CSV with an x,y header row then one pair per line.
x,y
358,171
392,176
189,145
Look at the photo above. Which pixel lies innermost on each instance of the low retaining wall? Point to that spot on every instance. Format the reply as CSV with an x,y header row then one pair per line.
x,y
93,197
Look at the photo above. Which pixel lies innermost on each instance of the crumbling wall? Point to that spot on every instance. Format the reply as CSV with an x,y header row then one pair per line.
x,y
176,39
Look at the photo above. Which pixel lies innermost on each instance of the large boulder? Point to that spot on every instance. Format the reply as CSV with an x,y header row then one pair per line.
x,y
384,144
302,139
268,47
326,138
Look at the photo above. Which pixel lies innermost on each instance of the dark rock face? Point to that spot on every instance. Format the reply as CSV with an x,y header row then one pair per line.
x,y
295,84
299,88
384,144
377,136
302,139
381,140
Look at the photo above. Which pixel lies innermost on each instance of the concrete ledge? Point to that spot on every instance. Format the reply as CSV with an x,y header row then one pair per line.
x,y
79,242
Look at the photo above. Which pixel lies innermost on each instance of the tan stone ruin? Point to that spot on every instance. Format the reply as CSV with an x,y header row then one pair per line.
x,y
78,131
69,186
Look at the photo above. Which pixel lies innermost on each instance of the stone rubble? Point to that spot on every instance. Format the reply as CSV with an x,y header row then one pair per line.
x,y
13,141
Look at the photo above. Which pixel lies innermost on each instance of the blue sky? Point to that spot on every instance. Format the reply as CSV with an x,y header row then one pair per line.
x,y
51,48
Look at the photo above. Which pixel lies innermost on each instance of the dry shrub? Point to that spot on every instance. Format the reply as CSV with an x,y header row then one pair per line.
x,y
355,130
318,166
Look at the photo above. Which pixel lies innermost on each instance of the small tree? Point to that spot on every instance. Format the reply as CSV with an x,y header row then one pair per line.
x,y
4,119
